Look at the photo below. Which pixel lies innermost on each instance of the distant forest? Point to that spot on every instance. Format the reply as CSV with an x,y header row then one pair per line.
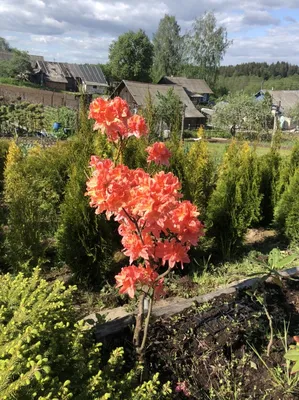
x,y
263,70
253,76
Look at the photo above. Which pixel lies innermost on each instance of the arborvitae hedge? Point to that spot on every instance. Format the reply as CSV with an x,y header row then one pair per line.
x,y
46,354
235,204
33,190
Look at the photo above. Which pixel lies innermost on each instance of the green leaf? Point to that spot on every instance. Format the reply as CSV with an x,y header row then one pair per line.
x,y
295,368
292,355
38,375
287,260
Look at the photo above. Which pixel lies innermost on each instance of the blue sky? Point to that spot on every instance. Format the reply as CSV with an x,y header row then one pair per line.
x,y
81,31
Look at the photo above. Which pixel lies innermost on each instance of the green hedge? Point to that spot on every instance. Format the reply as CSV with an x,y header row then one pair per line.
x,y
33,191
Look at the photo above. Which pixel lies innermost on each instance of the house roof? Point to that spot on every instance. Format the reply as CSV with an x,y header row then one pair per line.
x,y
59,72
7,55
286,98
140,92
193,86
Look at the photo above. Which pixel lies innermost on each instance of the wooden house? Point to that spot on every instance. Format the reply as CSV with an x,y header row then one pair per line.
x,y
137,93
70,77
197,89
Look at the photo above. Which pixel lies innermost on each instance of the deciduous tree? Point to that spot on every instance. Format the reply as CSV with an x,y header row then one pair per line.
x,y
205,46
167,48
131,57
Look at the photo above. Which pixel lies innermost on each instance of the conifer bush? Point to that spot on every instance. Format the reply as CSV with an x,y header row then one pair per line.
x,y
286,171
287,209
235,203
200,173
46,354
33,190
269,169
86,242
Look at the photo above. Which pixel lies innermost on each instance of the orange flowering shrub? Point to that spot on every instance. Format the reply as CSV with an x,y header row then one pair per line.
x,y
155,224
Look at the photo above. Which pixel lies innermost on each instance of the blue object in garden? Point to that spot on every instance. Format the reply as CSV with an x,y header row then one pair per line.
x,y
56,126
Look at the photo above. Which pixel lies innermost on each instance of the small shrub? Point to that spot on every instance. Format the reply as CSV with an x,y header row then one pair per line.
x,y
46,354
235,204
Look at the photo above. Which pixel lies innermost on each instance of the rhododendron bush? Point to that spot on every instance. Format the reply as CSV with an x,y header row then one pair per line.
x,y
157,227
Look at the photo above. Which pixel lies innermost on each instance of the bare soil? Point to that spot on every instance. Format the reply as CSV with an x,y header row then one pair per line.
x,y
210,346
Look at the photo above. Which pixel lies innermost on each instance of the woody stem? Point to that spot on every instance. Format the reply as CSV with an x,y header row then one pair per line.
x,y
139,321
146,325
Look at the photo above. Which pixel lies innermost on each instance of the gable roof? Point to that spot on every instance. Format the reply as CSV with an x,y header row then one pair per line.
x,y
192,86
286,98
59,72
7,55
140,92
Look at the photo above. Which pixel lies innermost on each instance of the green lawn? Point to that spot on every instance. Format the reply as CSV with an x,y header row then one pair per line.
x,y
218,150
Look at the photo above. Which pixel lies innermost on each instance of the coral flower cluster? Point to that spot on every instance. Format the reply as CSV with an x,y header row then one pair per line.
x,y
154,223
113,118
158,153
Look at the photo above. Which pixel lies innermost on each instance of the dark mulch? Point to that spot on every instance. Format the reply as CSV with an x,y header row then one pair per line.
x,y
210,346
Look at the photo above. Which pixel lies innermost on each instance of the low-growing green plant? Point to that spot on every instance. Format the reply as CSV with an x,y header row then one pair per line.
x,y
46,354
293,355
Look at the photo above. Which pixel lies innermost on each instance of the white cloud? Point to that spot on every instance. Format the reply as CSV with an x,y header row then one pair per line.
x,y
82,30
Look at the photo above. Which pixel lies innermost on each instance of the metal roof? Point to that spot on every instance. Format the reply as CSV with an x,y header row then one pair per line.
x,y
193,86
140,92
59,72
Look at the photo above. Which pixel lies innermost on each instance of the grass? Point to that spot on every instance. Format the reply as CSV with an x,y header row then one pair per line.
x,y
218,150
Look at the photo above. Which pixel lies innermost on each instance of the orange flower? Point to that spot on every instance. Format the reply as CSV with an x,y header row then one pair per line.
x,y
158,153
132,278
113,117
137,126
173,252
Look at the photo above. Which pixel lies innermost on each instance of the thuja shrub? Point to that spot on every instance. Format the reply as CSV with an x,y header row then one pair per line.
x,y
33,190
85,242
200,175
4,146
269,169
286,172
46,354
287,209
235,203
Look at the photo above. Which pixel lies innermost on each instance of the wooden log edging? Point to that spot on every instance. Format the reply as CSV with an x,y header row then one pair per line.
x,y
171,306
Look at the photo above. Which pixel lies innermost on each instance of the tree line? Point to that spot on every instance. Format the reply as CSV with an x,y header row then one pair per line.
x,y
279,69
195,54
